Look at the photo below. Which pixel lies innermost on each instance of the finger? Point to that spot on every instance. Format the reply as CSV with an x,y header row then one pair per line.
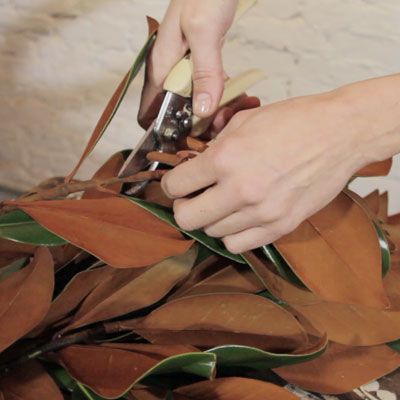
x,y
206,208
208,73
244,219
222,117
167,50
248,239
191,176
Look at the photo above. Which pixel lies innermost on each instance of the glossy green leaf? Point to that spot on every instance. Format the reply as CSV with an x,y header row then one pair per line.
x,y
383,242
13,267
116,100
281,265
61,377
395,345
115,373
166,215
250,357
385,251
81,392
200,364
20,227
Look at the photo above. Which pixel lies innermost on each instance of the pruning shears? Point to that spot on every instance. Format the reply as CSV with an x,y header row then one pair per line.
x,y
175,120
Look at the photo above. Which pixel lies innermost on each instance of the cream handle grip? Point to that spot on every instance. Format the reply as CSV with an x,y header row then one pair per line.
x,y
179,80
233,88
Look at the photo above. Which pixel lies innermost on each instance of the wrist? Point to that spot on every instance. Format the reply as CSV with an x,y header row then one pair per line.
x,y
369,113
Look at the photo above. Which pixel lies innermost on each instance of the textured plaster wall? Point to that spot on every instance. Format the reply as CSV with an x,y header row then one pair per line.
x,y
60,61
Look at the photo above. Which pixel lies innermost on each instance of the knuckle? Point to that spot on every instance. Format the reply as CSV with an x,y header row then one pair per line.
x,y
202,75
224,156
195,24
272,213
250,191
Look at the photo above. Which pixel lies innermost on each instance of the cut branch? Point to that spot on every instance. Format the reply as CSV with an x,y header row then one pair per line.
x,y
65,189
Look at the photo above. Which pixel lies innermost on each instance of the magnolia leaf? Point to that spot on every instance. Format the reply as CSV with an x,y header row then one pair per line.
x,y
380,168
342,368
111,372
347,324
109,169
165,214
143,290
385,249
117,97
395,345
11,251
343,258
29,382
231,356
211,264
113,229
232,389
234,278
25,297
74,292
11,268
383,212
281,265
366,205
371,201
218,319
20,227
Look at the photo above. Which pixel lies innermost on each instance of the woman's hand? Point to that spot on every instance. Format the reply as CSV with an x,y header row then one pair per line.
x,y
272,167
199,26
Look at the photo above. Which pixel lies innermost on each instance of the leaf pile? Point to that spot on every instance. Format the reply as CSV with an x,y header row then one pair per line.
x,y
102,296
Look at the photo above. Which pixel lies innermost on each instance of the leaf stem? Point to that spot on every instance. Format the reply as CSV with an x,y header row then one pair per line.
x,y
59,342
64,189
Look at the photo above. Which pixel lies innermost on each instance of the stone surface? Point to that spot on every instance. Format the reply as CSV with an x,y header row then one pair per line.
x,y
60,61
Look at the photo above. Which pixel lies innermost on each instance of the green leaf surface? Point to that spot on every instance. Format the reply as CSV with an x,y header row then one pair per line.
x,y
395,345
281,265
385,251
13,267
229,356
200,364
81,392
20,227
166,215
60,376
115,101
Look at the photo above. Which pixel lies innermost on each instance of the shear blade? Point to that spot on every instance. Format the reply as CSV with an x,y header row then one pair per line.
x,y
137,160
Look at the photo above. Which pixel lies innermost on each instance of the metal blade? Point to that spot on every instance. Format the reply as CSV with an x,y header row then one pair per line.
x,y
137,160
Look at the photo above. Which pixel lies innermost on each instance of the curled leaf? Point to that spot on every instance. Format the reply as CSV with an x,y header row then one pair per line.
x,y
336,254
347,324
141,291
217,319
25,297
110,372
342,368
380,168
233,389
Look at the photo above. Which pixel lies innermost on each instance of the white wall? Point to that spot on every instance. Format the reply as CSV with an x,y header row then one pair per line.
x,y
60,61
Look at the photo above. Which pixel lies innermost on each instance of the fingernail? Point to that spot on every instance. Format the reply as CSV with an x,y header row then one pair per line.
x,y
202,103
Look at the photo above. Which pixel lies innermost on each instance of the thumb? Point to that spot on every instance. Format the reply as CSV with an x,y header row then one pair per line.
x,y
208,73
